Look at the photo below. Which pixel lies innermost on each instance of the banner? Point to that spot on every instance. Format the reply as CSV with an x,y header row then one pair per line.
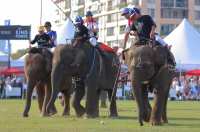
x,y
15,32
6,42
14,91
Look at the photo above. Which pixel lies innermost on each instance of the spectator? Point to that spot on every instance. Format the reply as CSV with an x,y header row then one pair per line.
x,y
193,85
198,96
175,82
24,86
179,91
1,86
14,84
190,96
185,88
8,81
15,78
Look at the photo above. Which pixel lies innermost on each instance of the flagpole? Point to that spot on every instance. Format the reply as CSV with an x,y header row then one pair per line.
x,y
41,14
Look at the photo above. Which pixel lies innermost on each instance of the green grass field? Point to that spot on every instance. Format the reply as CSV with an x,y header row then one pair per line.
x,y
182,116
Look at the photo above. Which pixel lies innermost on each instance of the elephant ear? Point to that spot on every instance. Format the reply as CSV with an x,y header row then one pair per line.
x,y
79,57
160,54
125,56
48,65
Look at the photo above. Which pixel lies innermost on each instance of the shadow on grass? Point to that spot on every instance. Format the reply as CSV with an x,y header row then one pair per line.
x,y
121,117
185,119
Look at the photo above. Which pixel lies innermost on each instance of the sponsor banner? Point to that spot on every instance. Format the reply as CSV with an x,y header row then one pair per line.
x,y
15,32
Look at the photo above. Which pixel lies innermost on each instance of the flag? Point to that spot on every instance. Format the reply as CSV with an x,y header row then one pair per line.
x,y
127,88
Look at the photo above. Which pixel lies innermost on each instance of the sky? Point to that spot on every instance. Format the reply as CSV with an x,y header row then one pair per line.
x,y
25,13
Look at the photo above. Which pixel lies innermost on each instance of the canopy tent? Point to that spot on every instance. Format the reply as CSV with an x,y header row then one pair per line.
x,y
4,57
66,31
19,62
12,71
185,41
195,72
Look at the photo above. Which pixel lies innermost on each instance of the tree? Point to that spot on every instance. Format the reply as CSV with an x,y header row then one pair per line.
x,y
19,54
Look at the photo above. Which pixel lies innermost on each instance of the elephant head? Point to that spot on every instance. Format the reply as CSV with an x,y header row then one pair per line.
x,y
67,61
36,67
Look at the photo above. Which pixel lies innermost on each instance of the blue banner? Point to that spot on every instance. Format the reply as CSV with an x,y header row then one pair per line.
x,y
6,42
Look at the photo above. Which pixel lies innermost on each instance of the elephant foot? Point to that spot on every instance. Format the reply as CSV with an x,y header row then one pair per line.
x,y
65,114
114,114
165,121
45,115
80,113
141,124
88,117
53,113
155,124
25,115
146,117
103,106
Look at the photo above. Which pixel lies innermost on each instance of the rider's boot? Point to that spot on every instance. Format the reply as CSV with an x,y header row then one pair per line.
x,y
104,53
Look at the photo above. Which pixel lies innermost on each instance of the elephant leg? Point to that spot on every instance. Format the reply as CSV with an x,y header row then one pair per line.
x,y
66,98
147,106
97,94
164,113
103,99
156,114
76,99
40,93
46,99
90,99
112,98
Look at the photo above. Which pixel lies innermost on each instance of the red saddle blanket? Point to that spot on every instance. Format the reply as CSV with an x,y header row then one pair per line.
x,y
106,48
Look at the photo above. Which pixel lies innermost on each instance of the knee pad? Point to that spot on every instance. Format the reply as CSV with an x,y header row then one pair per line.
x,y
93,41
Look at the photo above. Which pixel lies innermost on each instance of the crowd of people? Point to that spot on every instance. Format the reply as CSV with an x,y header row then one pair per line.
x,y
13,82
187,89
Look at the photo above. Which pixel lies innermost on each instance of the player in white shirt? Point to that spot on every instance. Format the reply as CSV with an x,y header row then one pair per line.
x,y
93,29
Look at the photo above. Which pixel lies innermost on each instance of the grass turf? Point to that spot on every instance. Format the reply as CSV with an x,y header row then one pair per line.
x,y
182,116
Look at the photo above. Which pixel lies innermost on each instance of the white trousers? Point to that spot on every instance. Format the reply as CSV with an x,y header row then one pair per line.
x,y
93,41
160,40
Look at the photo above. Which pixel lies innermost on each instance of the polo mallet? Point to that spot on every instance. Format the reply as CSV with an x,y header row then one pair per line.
x,y
62,11
113,91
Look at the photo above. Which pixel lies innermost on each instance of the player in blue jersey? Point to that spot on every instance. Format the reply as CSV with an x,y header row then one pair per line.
x,y
52,34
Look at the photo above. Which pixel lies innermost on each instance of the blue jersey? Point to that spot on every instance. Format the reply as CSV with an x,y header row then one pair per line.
x,y
53,34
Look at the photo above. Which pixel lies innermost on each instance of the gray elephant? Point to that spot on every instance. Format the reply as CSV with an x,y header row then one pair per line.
x,y
148,66
94,72
38,69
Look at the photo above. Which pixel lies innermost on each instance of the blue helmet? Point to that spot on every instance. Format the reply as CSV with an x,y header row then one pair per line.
x,y
125,10
132,12
78,20
136,9
89,13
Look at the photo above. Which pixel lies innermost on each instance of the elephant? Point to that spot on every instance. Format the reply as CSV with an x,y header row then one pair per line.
x,y
148,70
91,72
37,69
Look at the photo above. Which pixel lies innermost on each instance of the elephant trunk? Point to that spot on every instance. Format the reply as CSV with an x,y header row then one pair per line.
x,y
136,83
30,86
55,82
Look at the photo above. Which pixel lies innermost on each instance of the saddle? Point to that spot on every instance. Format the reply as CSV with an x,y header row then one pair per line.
x,y
44,52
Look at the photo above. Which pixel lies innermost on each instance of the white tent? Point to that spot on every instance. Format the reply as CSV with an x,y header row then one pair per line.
x,y
66,31
4,57
19,62
185,41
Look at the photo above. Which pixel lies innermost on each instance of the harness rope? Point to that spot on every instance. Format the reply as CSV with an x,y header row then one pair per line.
x,y
74,81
